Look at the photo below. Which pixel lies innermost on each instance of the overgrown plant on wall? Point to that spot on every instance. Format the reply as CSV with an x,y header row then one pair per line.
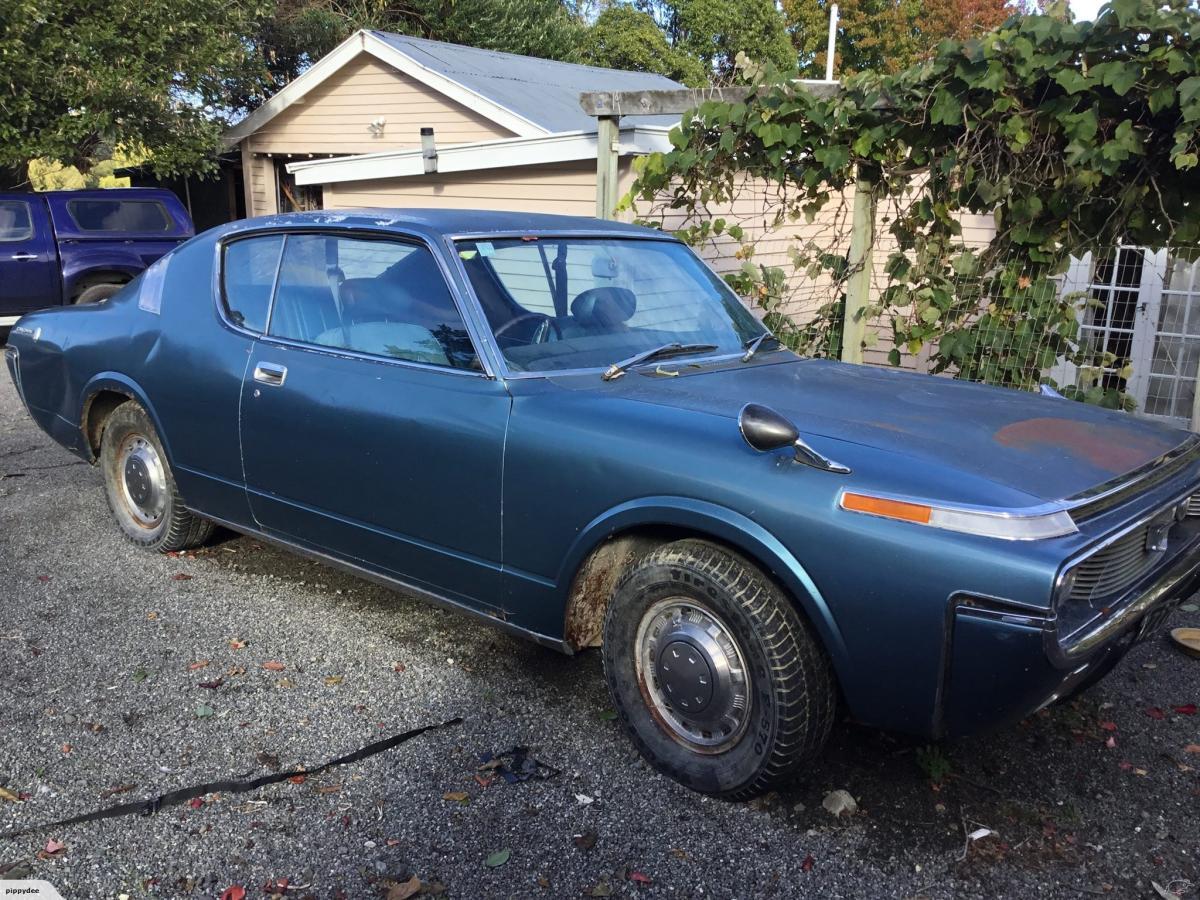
x,y
1073,136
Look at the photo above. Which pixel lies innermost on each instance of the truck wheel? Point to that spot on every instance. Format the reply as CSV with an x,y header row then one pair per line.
x,y
98,292
719,681
140,488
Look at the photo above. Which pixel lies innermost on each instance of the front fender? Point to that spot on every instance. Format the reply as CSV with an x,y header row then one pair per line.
x,y
728,526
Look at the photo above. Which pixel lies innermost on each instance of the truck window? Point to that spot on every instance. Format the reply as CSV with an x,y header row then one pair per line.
x,y
16,223
119,215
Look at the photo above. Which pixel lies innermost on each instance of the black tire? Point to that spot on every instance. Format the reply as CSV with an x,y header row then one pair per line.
x,y
789,689
97,292
169,525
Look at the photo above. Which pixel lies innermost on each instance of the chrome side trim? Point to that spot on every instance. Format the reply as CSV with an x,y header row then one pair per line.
x,y
388,581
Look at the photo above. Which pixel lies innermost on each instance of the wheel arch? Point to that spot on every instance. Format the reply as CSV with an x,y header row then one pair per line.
x,y
103,394
613,541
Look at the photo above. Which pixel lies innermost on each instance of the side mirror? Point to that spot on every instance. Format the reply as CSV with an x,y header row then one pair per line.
x,y
766,430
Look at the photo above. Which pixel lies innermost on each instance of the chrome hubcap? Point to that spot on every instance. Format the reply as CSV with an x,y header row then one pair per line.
x,y
693,674
143,480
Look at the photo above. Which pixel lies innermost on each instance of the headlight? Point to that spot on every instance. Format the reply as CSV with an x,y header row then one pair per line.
x,y
1010,526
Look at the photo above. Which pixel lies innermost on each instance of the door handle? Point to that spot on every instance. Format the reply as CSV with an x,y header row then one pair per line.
x,y
24,257
270,373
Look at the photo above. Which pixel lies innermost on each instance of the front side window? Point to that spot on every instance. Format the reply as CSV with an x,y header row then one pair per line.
x,y
135,216
577,303
247,277
16,222
382,297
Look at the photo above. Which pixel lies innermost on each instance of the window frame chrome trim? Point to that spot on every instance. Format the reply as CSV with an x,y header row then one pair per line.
x,y
395,235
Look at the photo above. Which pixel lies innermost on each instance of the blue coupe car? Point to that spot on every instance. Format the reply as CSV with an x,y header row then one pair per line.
x,y
576,431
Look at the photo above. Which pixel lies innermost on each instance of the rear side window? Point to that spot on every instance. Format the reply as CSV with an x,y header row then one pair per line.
x,y
139,216
247,277
16,223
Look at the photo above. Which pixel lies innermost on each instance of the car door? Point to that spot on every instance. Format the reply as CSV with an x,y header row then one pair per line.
x,y
369,428
28,261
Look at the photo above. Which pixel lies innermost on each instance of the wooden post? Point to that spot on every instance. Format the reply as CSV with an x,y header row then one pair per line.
x,y
858,286
608,137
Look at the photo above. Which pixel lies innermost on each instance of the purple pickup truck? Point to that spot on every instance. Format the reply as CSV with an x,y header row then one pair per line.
x,y
64,247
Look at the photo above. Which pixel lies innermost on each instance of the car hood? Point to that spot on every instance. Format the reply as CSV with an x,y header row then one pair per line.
x,y
1045,447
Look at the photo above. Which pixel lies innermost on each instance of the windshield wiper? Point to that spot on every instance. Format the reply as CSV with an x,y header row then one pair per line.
x,y
617,369
753,344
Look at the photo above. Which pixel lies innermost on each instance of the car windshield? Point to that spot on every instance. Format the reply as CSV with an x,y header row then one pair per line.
x,y
558,303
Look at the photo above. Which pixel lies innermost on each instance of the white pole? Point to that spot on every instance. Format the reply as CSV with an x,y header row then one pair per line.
x,y
831,50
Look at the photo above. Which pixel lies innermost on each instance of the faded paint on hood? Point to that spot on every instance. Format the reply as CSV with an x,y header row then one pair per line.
x,y
1045,447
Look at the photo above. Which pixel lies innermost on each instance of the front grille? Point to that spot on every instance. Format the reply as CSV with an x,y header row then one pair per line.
x,y
1194,505
1108,573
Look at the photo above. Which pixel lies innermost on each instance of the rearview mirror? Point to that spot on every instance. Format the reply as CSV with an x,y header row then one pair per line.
x,y
764,429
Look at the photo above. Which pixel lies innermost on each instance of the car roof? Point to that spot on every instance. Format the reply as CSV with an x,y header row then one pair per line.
x,y
450,222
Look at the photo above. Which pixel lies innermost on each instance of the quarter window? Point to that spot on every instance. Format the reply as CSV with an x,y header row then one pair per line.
x,y
248,275
16,223
382,297
136,216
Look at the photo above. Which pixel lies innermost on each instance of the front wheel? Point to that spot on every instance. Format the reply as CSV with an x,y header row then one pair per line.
x,y
140,488
719,681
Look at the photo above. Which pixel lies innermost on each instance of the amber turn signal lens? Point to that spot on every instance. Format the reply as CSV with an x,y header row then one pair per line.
x,y
891,509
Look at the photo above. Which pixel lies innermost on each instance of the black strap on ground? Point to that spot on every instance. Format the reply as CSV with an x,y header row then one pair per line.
x,y
231,786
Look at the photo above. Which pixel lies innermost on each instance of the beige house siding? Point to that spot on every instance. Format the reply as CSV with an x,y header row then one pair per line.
x,y
333,119
564,188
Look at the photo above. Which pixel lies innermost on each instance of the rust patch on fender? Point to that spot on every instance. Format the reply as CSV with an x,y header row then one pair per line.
x,y
1111,449
594,585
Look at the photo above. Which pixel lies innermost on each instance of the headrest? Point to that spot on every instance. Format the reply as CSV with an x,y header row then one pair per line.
x,y
604,307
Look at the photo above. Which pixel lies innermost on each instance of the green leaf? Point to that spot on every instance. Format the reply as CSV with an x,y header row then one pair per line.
x,y
499,858
1071,81
203,712
140,675
894,356
946,109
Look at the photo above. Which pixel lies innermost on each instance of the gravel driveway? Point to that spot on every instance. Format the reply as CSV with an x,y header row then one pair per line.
x,y
124,675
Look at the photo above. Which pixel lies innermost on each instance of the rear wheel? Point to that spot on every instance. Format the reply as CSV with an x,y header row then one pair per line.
x,y
97,292
719,681
140,488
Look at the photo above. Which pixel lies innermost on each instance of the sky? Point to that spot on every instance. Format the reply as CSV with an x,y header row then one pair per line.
x,y
1086,9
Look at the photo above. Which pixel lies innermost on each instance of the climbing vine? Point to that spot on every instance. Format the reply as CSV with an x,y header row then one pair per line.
x,y
1073,137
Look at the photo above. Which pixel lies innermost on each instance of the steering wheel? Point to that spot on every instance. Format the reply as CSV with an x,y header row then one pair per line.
x,y
541,334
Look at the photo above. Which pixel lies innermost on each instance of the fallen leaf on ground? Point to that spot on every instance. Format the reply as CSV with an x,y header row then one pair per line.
x,y
298,779
270,760
584,799
6,794
53,846
119,789
807,865
182,576
152,615
586,841
499,858
456,796
1192,748
329,789
404,890
1190,607
607,715
212,685
234,892
1155,713
1163,892
333,680
839,803
1124,765
43,578
1188,709
196,803
678,853
140,675
602,889
203,712
273,666
237,644
67,748
398,668
1109,726
1111,743
979,834
640,878
199,664
483,782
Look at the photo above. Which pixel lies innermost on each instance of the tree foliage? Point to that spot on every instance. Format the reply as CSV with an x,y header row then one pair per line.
x,y
716,31
885,35
626,38
1072,136
77,76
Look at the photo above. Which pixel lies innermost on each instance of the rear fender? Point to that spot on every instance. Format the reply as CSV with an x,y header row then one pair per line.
x,y
121,384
